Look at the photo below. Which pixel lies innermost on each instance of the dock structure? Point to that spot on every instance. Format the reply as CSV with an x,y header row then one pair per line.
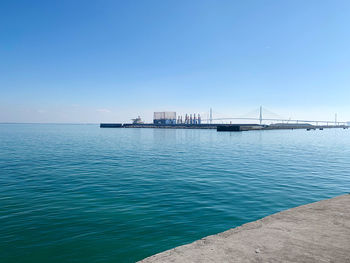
x,y
159,126
111,125
172,126
240,127
170,120
317,232
222,127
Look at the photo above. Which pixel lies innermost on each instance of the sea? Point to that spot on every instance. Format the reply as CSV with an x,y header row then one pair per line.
x,y
79,193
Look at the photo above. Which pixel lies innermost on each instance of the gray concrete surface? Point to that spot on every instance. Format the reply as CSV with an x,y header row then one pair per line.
x,y
317,232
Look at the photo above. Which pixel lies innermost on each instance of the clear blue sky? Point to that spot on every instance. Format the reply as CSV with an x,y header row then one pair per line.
x,y
94,61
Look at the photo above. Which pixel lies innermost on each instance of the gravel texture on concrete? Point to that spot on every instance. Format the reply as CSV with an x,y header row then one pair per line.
x,y
317,232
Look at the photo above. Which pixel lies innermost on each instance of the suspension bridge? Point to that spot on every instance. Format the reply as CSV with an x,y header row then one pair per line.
x,y
275,118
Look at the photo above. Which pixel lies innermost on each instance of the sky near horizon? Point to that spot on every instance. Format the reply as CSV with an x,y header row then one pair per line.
x,y
110,61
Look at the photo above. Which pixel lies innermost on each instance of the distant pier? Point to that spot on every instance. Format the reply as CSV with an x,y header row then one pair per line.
x,y
159,126
170,120
224,127
111,125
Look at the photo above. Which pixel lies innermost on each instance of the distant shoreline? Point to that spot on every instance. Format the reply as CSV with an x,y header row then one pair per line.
x,y
59,123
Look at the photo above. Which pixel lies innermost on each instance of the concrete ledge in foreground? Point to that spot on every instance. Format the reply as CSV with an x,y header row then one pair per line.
x,y
317,232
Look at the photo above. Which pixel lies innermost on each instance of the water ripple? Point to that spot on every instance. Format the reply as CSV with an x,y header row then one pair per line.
x,y
77,193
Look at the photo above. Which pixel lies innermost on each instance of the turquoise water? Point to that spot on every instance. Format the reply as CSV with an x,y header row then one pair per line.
x,y
78,193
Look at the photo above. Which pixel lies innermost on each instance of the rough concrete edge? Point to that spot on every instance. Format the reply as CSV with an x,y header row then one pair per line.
x,y
250,225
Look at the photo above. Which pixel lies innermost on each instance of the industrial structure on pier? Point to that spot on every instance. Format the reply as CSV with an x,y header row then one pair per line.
x,y
169,118
164,117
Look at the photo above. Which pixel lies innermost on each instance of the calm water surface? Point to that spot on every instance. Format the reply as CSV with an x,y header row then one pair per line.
x,y
78,193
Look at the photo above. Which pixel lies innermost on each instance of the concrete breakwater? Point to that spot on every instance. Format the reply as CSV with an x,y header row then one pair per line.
x,y
317,232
